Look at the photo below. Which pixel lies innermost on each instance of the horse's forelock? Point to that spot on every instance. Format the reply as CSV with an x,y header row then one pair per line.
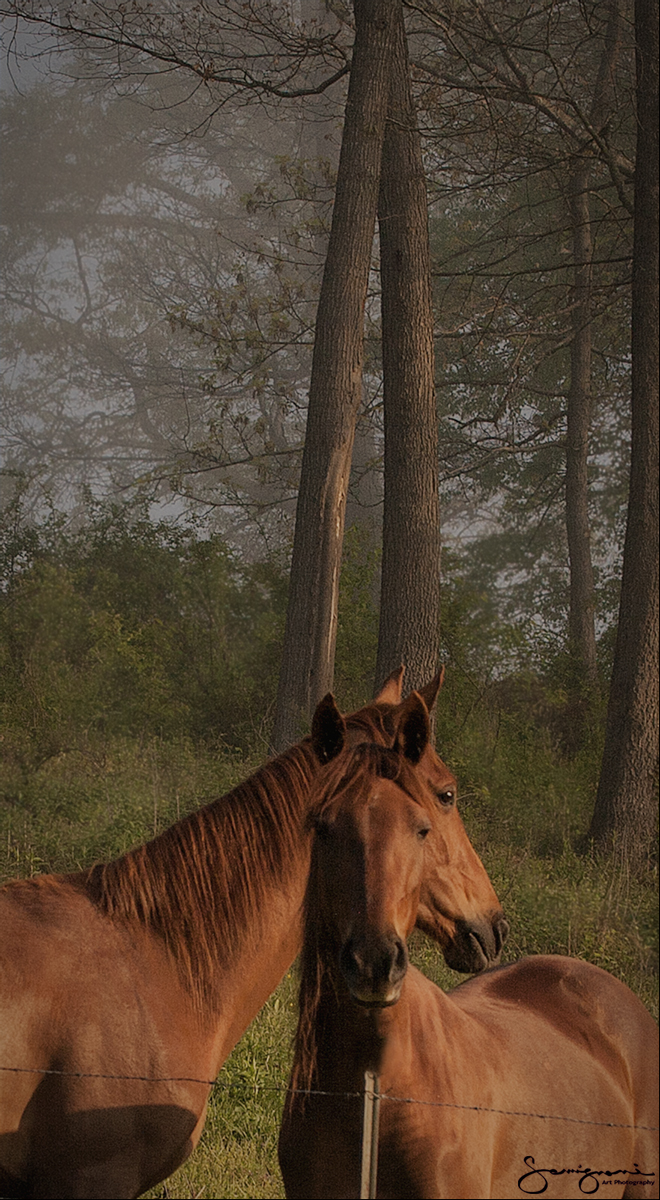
x,y
377,721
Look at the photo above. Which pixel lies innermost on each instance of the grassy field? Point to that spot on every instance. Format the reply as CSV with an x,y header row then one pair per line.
x,y
524,809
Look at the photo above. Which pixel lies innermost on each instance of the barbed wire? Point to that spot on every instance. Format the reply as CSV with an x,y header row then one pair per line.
x,y
271,1087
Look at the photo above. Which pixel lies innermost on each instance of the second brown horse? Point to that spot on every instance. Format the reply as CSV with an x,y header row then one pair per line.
x,y
538,1078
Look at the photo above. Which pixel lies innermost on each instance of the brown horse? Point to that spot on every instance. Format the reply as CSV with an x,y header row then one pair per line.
x,y
535,1078
124,988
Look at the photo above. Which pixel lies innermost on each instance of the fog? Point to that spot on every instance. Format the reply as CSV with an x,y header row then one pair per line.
x,y
163,242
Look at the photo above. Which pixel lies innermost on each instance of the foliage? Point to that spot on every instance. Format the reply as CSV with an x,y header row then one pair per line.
x,y
127,628
507,665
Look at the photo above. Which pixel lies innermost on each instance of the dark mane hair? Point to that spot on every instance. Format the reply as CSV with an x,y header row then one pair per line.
x,y
354,768
202,884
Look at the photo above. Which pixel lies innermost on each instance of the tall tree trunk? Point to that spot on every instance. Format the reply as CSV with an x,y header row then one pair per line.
x,y
581,613
624,813
336,381
581,616
410,589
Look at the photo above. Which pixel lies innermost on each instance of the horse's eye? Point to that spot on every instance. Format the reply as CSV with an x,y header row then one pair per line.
x,y
447,797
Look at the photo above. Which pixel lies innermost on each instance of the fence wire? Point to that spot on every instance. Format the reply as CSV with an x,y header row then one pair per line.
x,y
219,1085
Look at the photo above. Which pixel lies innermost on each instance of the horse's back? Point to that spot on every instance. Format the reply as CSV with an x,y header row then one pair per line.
x,y
54,947
83,983
587,1027
38,924
585,1004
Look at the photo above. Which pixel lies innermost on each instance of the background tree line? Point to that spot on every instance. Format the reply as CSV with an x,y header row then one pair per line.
x,y
531,127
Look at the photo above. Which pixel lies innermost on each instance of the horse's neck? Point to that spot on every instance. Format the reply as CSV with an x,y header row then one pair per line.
x,y
222,892
351,1042
244,984
268,932
380,1038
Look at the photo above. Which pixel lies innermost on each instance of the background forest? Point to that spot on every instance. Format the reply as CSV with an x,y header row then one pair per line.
x,y
167,199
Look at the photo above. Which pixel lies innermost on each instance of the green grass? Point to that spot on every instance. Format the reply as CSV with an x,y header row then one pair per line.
x,y
92,804
524,809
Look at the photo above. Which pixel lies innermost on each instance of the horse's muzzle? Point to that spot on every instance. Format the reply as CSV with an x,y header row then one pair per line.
x,y
477,944
374,970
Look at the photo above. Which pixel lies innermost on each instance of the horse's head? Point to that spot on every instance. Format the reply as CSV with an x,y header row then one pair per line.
x,y
391,851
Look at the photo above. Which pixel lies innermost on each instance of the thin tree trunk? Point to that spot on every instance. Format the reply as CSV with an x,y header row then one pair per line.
x,y
410,589
336,381
581,613
581,617
624,814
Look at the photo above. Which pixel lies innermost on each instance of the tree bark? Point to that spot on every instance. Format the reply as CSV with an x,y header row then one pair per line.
x,y
410,589
624,814
336,381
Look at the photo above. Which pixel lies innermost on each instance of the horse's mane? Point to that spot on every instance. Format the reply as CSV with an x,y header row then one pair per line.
x,y
201,885
319,974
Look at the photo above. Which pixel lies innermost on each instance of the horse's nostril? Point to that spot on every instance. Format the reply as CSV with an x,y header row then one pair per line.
x,y
401,957
374,966
501,931
349,962
475,936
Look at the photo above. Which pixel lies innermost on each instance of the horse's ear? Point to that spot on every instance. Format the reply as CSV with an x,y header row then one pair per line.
x,y
328,729
429,693
414,730
390,693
